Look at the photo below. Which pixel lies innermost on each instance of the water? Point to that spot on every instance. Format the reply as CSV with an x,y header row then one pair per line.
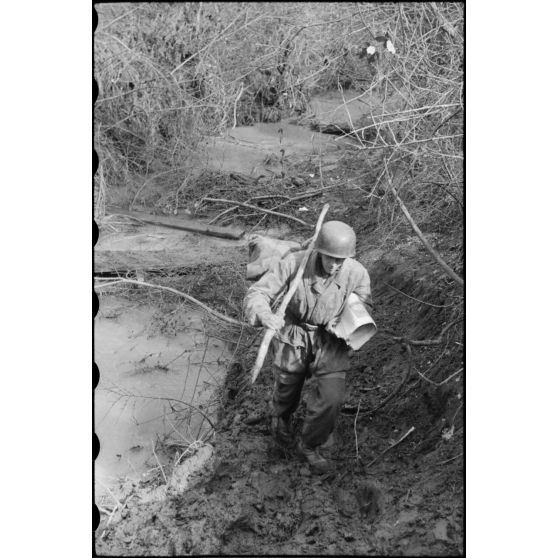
x,y
256,150
146,373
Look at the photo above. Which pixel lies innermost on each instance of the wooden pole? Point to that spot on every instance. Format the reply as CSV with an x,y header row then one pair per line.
x,y
269,333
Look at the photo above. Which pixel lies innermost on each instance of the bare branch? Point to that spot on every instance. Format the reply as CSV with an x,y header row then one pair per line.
x,y
209,310
158,462
427,342
438,384
422,238
207,45
417,300
446,25
219,200
392,446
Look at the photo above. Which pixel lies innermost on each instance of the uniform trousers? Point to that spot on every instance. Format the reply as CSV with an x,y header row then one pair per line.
x,y
323,404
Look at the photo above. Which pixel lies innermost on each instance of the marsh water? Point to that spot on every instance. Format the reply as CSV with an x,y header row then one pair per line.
x,y
153,379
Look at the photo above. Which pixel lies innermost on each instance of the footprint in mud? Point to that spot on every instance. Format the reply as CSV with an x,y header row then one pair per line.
x,y
370,500
222,476
270,486
366,501
346,502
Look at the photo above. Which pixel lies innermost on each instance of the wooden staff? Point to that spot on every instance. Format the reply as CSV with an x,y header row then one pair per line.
x,y
269,333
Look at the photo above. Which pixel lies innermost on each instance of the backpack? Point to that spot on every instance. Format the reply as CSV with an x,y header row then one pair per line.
x,y
264,252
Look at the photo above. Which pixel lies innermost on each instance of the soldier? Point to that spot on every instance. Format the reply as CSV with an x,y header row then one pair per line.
x,y
304,343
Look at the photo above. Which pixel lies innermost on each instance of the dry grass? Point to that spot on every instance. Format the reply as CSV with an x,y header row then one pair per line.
x,y
170,73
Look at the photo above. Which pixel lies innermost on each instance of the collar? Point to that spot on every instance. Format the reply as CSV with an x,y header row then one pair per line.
x,y
315,274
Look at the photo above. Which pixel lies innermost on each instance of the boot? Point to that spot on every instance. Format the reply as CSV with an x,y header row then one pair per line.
x,y
317,462
282,432
330,443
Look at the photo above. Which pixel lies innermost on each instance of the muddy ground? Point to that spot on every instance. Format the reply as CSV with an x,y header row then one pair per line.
x,y
397,487
254,498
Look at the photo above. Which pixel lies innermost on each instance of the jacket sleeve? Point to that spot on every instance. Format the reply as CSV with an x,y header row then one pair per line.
x,y
263,292
362,288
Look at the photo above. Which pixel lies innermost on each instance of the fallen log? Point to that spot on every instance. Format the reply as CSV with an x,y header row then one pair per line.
x,y
182,224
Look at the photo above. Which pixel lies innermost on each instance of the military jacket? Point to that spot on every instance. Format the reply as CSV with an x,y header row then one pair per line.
x,y
318,300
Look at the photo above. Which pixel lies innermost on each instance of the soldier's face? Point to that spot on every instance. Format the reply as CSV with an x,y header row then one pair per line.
x,y
330,264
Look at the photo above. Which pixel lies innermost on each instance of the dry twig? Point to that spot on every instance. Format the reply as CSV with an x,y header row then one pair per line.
x,y
438,384
450,459
159,463
428,342
249,206
169,399
418,300
392,446
110,492
355,430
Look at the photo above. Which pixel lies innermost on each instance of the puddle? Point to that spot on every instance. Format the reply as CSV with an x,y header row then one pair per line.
x,y
152,366
256,150
332,108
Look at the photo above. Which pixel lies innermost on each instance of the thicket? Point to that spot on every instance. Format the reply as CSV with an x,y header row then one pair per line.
x,y
172,74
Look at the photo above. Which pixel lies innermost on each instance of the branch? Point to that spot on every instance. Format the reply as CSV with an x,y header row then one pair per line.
x,y
110,492
218,37
119,17
421,301
355,430
207,45
410,142
446,25
125,393
219,200
272,196
438,384
159,463
427,342
392,446
269,333
209,310
449,271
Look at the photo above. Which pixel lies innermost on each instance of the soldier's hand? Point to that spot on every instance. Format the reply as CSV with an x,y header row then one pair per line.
x,y
333,323
330,326
272,321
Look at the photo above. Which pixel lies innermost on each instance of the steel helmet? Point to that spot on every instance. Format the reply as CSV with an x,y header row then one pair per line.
x,y
336,239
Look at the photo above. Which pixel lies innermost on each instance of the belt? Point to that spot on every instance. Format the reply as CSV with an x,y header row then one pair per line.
x,y
292,320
